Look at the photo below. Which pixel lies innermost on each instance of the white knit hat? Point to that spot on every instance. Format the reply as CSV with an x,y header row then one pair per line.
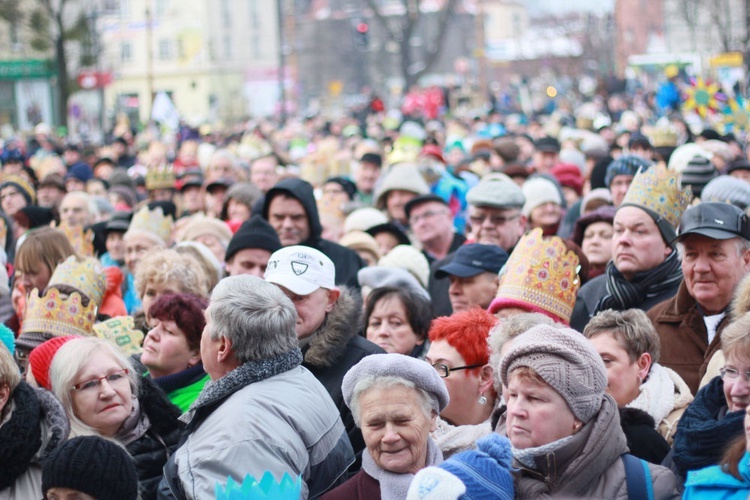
x,y
409,258
363,219
538,191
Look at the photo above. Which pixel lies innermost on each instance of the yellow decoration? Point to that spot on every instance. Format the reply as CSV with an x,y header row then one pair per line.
x,y
57,314
160,178
702,98
122,331
85,275
152,221
736,115
81,241
541,275
658,189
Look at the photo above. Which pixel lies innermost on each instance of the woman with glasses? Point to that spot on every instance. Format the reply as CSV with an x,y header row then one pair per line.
x,y
102,395
459,353
715,418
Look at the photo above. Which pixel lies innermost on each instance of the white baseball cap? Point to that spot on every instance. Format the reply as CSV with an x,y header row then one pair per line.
x,y
301,269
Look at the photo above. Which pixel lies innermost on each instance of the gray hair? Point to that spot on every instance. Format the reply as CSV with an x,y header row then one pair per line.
x,y
10,375
90,201
386,382
255,315
631,328
506,330
222,154
68,362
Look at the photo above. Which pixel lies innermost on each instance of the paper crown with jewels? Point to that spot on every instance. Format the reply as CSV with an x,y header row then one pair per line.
x,y
122,332
85,275
541,275
152,221
658,191
286,489
160,178
57,314
81,240
662,135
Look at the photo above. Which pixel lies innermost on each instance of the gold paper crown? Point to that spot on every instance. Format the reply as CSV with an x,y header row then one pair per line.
x,y
658,190
122,331
541,275
160,178
81,241
53,314
85,275
153,221
662,136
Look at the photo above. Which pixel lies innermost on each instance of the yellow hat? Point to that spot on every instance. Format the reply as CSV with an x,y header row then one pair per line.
x,y
85,275
152,221
57,314
122,331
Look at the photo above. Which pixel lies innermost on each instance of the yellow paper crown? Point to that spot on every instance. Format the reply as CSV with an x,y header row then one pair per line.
x,y
541,275
53,314
160,178
662,136
81,241
153,221
122,331
85,275
658,190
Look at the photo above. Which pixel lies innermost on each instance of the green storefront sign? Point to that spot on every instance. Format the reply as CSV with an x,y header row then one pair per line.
x,y
27,68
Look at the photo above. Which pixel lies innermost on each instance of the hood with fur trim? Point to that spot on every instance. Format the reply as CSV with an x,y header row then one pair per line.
x,y
741,301
343,322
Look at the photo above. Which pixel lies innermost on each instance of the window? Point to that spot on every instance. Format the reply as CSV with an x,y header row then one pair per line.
x,y
126,52
165,49
160,7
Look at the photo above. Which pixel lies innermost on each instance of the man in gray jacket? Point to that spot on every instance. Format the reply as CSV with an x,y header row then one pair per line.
x,y
261,411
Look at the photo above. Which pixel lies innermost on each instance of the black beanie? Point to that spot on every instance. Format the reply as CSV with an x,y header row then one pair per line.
x,y
253,233
91,465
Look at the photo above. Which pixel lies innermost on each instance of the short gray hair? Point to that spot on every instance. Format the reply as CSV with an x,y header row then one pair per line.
x,y
255,315
386,382
631,328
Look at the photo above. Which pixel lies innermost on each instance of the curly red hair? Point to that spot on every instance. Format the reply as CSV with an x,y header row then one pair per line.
x,y
467,333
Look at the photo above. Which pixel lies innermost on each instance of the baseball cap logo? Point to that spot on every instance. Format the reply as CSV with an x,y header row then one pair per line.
x,y
299,268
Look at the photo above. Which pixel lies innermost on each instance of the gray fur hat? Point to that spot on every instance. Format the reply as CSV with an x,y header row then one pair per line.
x,y
566,360
415,370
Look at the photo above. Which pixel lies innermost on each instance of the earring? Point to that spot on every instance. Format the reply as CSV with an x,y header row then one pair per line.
x,y
482,400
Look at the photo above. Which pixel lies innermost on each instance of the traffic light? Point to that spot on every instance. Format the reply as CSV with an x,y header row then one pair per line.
x,y
361,36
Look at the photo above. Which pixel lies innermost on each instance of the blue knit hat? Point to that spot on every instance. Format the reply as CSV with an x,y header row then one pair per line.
x,y
7,338
625,165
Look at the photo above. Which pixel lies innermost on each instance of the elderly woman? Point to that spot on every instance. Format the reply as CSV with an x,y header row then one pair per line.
x,y
172,348
629,346
563,427
398,320
715,417
459,353
32,425
102,395
395,400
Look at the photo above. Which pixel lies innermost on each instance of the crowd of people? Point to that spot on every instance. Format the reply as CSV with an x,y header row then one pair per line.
x,y
489,307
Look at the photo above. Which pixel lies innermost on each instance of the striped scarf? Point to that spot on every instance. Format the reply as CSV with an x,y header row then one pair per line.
x,y
623,294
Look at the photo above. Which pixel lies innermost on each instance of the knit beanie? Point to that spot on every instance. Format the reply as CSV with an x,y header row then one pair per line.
x,y
360,240
40,359
81,171
253,233
683,154
91,465
207,226
363,219
23,186
244,192
32,216
409,258
728,190
601,195
538,191
697,173
484,472
566,361
569,175
348,186
8,338
625,165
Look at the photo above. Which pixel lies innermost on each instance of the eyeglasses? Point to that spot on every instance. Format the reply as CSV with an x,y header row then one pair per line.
x,y
92,385
733,373
495,220
427,215
444,371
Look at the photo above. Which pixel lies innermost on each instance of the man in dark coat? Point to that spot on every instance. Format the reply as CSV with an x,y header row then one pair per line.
x,y
291,210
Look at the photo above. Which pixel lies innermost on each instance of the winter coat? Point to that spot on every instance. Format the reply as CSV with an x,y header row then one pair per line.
x,y
334,349
684,340
641,436
32,425
182,388
270,415
361,486
713,483
151,451
438,288
589,465
347,261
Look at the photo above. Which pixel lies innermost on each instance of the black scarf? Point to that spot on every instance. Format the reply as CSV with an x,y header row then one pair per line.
x,y
20,436
703,435
626,294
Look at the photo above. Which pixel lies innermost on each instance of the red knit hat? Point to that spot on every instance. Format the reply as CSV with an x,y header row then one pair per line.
x,y
41,356
569,176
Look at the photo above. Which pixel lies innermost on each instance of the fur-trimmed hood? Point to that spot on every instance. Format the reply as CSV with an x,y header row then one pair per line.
x,y
741,301
341,324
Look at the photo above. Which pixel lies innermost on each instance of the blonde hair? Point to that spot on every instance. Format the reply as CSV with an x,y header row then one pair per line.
x,y
10,375
735,340
46,246
164,265
68,363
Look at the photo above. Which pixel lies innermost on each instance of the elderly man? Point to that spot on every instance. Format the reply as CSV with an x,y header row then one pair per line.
x,y
431,221
473,275
715,250
261,411
494,218
291,210
328,322
78,209
645,269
